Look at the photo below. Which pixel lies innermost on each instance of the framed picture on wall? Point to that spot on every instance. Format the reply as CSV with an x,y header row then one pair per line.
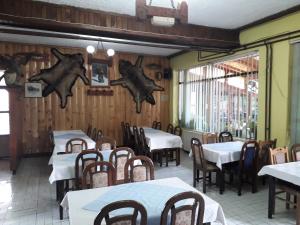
x,y
33,90
100,75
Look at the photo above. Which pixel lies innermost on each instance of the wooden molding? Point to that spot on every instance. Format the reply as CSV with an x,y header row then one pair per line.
x,y
95,92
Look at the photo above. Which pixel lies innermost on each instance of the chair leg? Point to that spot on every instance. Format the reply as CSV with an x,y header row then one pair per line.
x,y
288,200
167,158
295,201
209,177
204,181
240,185
198,176
160,158
254,183
194,176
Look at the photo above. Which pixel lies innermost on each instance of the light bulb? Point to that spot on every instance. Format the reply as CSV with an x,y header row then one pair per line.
x,y
90,49
110,52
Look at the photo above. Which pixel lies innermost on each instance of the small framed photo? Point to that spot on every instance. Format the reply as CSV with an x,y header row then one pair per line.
x,y
33,90
100,75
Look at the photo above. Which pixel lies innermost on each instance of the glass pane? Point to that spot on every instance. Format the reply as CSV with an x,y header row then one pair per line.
x,y
4,121
4,103
2,82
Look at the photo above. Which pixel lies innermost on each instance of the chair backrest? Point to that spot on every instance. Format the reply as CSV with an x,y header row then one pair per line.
x,y
248,157
279,155
106,143
170,129
118,158
178,131
128,135
198,155
94,134
295,150
126,219
89,130
263,155
99,134
139,168
76,145
225,136
136,138
209,138
98,174
143,142
83,160
51,138
158,126
154,124
184,213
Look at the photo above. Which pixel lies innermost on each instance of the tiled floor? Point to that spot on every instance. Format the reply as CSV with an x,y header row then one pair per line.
x,y
28,199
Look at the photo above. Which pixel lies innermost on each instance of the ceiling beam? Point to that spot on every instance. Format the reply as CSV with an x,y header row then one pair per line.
x,y
72,20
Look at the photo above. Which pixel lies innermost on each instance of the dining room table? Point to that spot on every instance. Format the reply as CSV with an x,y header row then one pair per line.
x,y
289,173
84,205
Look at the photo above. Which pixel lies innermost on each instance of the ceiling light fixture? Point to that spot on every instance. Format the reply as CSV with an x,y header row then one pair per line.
x,y
110,52
90,49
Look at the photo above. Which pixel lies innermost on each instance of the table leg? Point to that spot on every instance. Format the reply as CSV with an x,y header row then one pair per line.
x,y
177,156
298,209
60,188
271,206
167,157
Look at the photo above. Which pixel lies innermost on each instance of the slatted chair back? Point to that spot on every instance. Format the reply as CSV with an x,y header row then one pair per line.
x,y
139,168
136,138
178,131
83,160
158,126
89,130
123,129
295,150
189,212
106,143
51,138
225,136
129,134
170,128
126,219
143,142
248,157
98,174
154,124
263,155
76,145
209,138
99,135
198,154
279,155
118,158
94,134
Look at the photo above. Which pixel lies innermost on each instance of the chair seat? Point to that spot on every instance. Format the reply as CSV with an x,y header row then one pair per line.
x,y
212,167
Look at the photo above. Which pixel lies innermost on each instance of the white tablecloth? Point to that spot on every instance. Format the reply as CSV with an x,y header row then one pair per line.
x,y
63,166
289,172
76,200
157,139
221,153
61,138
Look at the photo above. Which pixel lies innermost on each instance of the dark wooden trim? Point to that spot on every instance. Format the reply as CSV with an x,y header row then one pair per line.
x,y
36,155
270,18
103,61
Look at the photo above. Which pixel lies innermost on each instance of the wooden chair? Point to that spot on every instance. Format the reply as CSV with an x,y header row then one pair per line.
x,y
94,134
98,174
154,124
278,156
200,164
83,160
127,219
139,168
184,213
170,129
76,145
248,165
295,151
209,138
106,143
177,131
118,158
129,136
158,126
136,138
99,134
263,155
89,130
51,139
225,136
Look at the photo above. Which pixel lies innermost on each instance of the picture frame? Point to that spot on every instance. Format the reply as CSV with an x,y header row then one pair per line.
x,y
99,75
33,90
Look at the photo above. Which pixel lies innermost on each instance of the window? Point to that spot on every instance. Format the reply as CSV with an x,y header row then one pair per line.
x,y
221,96
4,109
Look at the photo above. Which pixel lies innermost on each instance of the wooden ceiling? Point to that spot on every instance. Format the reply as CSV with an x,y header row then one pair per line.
x,y
40,16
